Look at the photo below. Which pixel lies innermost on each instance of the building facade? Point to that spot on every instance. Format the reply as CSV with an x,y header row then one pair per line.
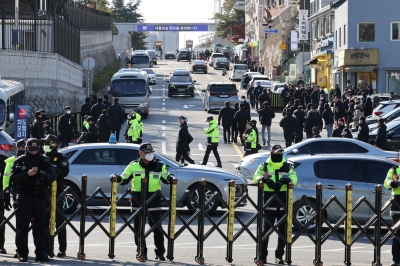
x,y
254,29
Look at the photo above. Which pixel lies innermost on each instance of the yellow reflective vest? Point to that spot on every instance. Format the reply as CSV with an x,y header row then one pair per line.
x,y
7,171
271,167
212,132
251,139
137,172
389,178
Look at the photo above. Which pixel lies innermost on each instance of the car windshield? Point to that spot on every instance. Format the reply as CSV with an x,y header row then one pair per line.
x,y
241,67
2,111
128,87
182,52
223,88
170,52
148,70
181,79
222,60
217,55
151,53
140,59
199,62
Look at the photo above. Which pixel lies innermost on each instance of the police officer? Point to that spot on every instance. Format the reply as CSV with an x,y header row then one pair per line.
x,y
276,173
212,141
392,182
32,174
6,182
61,168
135,129
155,171
250,136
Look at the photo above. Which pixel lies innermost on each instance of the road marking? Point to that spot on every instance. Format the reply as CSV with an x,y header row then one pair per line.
x,y
239,151
164,147
163,108
163,100
163,103
163,121
211,164
163,128
200,147
163,135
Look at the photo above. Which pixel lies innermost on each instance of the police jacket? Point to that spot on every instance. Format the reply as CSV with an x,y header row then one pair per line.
x,y
265,115
394,209
251,140
363,133
116,115
67,125
264,97
96,110
212,132
36,186
241,118
61,167
134,128
48,130
182,143
7,171
92,134
37,128
227,114
105,128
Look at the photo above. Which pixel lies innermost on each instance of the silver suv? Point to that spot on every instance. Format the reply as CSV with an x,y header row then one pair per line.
x,y
334,172
217,93
386,107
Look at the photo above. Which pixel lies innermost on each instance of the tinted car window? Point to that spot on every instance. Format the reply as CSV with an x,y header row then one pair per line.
x,y
344,170
128,155
223,88
5,138
377,171
182,53
240,67
217,55
142,59
181,79
345,147
314,148
69,154
101,156
131,87
148,70
199,62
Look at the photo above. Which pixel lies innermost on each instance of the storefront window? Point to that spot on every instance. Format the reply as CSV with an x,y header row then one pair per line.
x,y
366,32
394,81
394,31
367,79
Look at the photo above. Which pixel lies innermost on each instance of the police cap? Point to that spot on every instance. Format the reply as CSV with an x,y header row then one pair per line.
x,y
33,144
146,147
51,138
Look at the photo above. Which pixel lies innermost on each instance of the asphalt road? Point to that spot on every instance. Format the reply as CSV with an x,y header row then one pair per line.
x,y
161,129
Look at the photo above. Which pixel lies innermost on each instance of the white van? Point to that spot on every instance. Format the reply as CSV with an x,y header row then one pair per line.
x,y
236,71
141,59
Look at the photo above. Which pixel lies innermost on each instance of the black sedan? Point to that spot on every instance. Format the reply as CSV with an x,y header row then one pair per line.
x,y
199,66
170,55
221,62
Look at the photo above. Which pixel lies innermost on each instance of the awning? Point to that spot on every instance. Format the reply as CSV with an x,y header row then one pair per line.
x,y
359,68
311,62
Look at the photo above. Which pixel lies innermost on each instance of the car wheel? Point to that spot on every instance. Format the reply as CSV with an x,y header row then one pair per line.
x,y
209,191
69,202
303,214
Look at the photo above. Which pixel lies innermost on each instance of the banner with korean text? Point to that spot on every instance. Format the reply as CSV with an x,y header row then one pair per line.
x,y
21,122
303,25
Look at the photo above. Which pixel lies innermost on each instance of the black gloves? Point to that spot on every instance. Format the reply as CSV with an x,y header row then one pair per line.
x,y
394,183
270,183
119,179
277,186
7,204
170,178
285,180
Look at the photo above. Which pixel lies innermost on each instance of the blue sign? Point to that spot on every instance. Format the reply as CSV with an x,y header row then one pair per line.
x,y
155,27
271,30
21,122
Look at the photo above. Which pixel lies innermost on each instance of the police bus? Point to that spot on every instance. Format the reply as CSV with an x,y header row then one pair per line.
x,y
12,93
131,86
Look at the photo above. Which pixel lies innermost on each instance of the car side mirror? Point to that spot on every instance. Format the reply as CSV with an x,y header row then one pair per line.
x,y
203,91
295,151
150,90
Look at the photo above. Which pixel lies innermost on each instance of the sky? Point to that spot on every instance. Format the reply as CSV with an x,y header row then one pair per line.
x,y
179,11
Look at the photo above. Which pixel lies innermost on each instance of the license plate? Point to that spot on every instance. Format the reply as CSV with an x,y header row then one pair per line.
x,y
199,69
181,89
128,111
224,96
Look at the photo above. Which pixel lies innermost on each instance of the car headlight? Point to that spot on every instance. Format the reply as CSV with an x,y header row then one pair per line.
x,y
239,189
142,105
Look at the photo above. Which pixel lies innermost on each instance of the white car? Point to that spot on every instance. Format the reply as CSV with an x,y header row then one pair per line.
x,y
255,78
264,83
151,75
386,107
278,87
244,85
236,71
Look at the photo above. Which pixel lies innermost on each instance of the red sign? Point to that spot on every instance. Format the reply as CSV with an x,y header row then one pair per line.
x,y
22,113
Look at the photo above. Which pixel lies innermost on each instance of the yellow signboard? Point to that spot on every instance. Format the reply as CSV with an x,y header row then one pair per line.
x,y
358,57
282,46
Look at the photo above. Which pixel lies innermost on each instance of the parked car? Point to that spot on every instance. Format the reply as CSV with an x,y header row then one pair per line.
x,y
181,83
386,107
8,147
334,171
213,57
392,135
315,146
254,79
151,75
277,87
376,99
170,55
236,71
395,113
221,62
182,55
99,160
265,84
244,85
199,66
217,93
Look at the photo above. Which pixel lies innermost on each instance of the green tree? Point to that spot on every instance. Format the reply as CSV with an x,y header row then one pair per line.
x,y
233,19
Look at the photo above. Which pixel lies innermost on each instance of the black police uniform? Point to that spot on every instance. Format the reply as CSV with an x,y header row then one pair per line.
x,y
61,168
32,199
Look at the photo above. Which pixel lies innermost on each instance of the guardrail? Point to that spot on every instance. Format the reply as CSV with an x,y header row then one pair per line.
x,y
230,236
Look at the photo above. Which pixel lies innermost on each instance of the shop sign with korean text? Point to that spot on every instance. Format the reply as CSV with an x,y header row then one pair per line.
x,y
303,25
21,122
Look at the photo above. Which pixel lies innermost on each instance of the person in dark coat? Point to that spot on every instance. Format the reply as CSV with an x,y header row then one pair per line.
x,y
321,104
183,141
246,104
338,131
85,109
67,127
380,140
264,97
92,134
97,109
327,115
105,126
116,115
106,102
257,92
295,106
234,124
284,93
37,127
315,131
288,123
338,108
266,114
300,119
313,119
298,95
368,108
315,96
338,92
226,114
350,113
47,128
363,130
307,95
250,95
241,118
347,133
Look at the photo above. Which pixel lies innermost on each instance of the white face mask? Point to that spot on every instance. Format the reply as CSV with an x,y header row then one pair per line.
x,y
47,148
149,156
68,112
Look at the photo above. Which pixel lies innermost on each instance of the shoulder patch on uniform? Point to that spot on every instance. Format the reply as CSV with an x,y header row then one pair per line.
x,y
55,159
64,163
